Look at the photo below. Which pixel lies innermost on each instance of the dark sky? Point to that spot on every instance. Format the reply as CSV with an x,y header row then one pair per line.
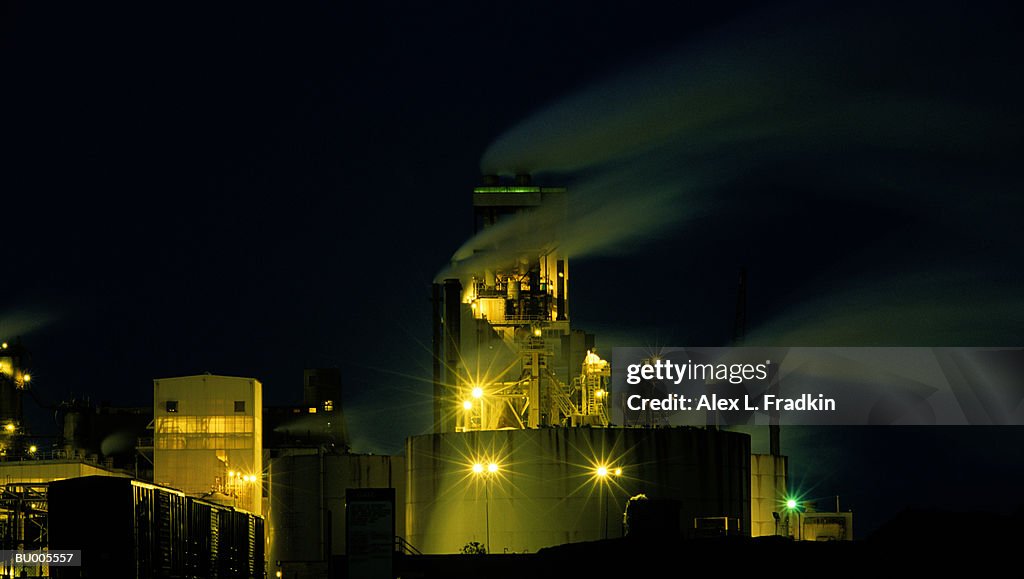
x,y
255,190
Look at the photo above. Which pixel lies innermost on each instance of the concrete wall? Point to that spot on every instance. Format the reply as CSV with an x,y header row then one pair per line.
x,y
546,491
307,489
767,492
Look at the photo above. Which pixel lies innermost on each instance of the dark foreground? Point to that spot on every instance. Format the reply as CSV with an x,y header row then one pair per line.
x,y
912,543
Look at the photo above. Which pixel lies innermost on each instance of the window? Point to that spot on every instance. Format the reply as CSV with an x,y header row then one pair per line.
x,y
239,405
172,405
328,405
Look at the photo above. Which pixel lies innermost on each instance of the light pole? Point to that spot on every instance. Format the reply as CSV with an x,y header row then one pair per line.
x,y
603,472
486,473
792,506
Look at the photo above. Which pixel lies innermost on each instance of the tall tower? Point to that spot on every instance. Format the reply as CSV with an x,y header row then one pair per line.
x,y
321,394
505,355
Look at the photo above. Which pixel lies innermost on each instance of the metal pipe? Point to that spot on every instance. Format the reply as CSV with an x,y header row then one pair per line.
x,y
437,341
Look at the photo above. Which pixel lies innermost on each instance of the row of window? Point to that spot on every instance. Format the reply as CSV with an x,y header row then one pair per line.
x,y
205,425
171,406
205,442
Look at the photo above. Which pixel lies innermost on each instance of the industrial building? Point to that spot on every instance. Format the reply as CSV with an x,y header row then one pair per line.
x,y
309,467
203,437
208,438
550,486
524,453
14,379
523,410
504,353
307,512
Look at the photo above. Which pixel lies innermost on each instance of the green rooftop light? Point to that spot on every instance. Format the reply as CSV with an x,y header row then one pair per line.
x,y
519,189
790,504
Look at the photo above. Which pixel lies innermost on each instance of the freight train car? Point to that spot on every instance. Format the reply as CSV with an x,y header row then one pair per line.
x,y
128,528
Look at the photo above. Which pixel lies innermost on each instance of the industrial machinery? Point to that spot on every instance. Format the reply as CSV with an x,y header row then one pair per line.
x,y
523,455
504,353
22,520
129,528
14,380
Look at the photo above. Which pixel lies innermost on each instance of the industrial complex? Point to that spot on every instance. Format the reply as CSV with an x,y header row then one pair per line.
x,y
526,452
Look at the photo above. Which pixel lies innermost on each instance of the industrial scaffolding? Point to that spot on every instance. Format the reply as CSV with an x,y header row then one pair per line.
x,y
23,525
505,356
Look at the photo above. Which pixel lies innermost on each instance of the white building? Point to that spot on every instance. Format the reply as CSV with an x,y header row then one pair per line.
x,y
207,438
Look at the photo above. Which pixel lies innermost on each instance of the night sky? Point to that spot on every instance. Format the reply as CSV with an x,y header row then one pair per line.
x,y
257,190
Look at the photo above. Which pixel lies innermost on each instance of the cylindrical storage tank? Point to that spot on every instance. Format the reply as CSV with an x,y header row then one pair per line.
x,y
296,516
547,489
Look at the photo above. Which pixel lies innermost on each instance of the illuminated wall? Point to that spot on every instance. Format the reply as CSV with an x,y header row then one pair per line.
x,y
767,493
44,471
546,489
834,526
207,438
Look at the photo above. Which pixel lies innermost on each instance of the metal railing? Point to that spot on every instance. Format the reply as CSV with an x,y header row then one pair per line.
x,y
405,547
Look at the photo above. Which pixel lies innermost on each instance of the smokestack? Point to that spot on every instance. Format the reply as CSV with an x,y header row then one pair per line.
x,y
437,301
452,335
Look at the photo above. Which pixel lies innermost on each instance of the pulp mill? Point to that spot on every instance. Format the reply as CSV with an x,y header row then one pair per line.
x,y
523,453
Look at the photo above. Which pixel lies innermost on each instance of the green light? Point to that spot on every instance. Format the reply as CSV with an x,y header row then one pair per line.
x,y
532,189
790,504
507,190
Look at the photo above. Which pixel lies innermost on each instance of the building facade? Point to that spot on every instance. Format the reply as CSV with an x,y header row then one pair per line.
x,y
207,438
